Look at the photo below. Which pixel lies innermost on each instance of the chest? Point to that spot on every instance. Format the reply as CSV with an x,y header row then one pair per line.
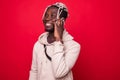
x,y
41,56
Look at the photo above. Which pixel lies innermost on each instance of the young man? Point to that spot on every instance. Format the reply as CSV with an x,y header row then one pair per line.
x,y
55,52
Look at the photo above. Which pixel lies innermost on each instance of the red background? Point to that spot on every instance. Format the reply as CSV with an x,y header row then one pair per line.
x,y
93,23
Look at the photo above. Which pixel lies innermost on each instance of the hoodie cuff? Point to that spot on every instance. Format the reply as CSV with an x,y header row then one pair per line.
x,y
58,47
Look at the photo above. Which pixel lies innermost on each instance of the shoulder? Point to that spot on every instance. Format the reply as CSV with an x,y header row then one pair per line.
x,y
72,43
37,46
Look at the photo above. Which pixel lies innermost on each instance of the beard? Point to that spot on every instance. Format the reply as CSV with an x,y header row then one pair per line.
x,y
50,30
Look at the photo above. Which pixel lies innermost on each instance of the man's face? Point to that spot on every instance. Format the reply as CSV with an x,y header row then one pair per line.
x,y
49,19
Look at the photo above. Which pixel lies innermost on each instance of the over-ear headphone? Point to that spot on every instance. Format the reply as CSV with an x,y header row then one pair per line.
x,y
61,7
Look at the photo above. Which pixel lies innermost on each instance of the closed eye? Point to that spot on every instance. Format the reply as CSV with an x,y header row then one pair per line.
x,y
53,15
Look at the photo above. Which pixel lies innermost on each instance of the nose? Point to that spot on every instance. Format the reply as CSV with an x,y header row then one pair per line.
x,y
47,19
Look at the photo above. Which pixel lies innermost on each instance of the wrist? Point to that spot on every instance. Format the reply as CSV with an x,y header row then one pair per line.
x,y
59,39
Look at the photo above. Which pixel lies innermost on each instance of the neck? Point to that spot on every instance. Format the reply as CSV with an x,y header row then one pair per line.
x,y
51,37
51,34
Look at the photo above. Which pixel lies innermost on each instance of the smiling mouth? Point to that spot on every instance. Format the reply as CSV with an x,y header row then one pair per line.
x,y
48,24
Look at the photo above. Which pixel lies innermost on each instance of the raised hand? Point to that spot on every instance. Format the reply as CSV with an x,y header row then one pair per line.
x,y
59,28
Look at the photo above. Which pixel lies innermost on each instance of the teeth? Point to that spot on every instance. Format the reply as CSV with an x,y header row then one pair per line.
x,y
48,24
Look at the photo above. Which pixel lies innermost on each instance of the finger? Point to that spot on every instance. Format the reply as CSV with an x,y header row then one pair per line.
x,y
62,23
58,23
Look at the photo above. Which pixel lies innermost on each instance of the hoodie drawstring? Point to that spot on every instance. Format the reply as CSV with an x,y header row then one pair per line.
x,y
46,53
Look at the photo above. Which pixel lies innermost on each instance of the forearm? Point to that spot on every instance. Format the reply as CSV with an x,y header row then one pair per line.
x,y
58,60
63,61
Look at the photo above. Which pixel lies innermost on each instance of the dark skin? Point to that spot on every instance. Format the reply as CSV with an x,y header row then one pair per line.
x,y
55,27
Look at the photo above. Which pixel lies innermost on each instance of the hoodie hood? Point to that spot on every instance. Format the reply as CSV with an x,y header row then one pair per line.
x,y
43,37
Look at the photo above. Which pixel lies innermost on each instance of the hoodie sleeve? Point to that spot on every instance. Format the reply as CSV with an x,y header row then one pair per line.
x,y
63,60
33,71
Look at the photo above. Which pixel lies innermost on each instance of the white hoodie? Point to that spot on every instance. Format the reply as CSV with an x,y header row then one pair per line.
x,y
63,58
